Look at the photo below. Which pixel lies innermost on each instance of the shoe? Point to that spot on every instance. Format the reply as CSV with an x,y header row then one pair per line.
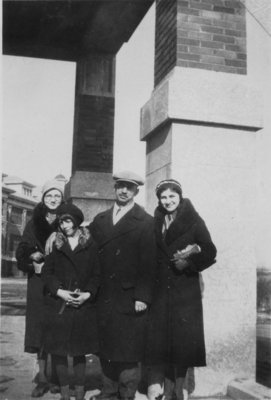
x,y
40,389
103,396
54,388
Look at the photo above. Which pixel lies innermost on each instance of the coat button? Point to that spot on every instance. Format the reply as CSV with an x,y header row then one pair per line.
x,y
117,252
112,276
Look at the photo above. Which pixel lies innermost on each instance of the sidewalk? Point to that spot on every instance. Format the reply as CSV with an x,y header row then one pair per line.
x,y
18,368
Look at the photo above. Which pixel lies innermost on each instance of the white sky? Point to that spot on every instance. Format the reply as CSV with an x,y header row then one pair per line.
x,y
38,110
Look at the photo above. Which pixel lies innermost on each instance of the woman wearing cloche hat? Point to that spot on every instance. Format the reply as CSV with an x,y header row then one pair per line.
x,y
175,338
30,259
71,278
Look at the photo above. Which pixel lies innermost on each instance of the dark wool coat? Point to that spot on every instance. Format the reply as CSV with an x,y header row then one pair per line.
x,y
34,238
127,256
68,330
175,326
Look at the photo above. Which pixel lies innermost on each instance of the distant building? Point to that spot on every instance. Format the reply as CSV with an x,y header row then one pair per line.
x,y
18,202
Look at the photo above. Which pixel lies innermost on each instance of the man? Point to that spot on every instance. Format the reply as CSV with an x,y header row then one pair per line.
x,y
125,237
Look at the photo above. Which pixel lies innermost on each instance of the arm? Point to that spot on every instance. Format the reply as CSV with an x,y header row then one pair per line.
x,y
206,257
53,285
94,281
26,249
51,282
91,288
198,261
146,264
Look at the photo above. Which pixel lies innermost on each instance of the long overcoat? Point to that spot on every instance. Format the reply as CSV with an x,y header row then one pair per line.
x,y
68,330
34,238
175,326
127,256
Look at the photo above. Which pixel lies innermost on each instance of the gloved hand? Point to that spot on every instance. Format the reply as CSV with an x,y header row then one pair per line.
x,y
140,306
179,262
38,267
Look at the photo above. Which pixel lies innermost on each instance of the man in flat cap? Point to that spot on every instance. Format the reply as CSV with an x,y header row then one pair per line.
x,y
125,237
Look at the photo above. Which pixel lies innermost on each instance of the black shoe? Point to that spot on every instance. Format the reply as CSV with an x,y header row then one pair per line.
x,y
40,389
104,396
54,388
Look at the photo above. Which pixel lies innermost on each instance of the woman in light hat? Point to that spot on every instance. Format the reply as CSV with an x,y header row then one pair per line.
x,y
71,277
175,332
30,259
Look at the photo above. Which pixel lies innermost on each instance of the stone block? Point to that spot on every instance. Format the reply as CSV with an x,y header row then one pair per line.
x,y
248,390
93,192
203,97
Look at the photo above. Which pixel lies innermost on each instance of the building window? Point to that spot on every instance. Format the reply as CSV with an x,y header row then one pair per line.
x,y
16,216
27,192
13,244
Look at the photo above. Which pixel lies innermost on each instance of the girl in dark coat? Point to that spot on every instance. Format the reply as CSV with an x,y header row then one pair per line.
x,y
71,277
175,333
30,259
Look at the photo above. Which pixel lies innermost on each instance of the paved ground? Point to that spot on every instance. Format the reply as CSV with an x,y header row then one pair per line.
x,y
18,368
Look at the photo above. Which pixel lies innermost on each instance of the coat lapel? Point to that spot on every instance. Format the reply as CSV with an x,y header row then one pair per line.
x,y
185,218
71,254
109,232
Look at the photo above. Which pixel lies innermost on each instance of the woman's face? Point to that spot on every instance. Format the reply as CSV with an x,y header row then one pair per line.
x,y
169,200
67,226
52,199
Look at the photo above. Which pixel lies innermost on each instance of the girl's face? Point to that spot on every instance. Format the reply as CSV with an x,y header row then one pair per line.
x,y
67,226
169,200
52,199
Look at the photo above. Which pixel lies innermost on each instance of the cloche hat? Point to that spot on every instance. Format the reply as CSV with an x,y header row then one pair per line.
x,y
72,212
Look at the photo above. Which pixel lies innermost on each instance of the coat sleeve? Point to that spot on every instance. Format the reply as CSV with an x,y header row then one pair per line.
x,y
147,263
25,248
51,282
94,281
200,261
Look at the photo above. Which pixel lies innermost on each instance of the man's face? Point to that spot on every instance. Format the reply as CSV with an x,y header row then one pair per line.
x,y
125,192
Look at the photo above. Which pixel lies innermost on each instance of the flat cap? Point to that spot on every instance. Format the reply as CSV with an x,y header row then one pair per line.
x,y
128,176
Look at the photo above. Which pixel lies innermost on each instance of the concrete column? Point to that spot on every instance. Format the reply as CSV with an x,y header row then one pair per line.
x,y
200,127
90,186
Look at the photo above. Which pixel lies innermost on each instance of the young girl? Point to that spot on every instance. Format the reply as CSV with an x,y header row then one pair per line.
x,y
71,277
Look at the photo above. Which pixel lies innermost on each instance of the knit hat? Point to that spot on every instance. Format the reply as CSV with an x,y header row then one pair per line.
x,y
168,184
70,211
53,184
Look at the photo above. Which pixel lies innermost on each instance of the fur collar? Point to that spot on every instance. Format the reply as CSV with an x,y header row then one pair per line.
x,y
42,229
185,218
84,238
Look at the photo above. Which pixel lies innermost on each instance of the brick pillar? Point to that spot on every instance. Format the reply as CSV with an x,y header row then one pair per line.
x,y
200,126
205,34
91,184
